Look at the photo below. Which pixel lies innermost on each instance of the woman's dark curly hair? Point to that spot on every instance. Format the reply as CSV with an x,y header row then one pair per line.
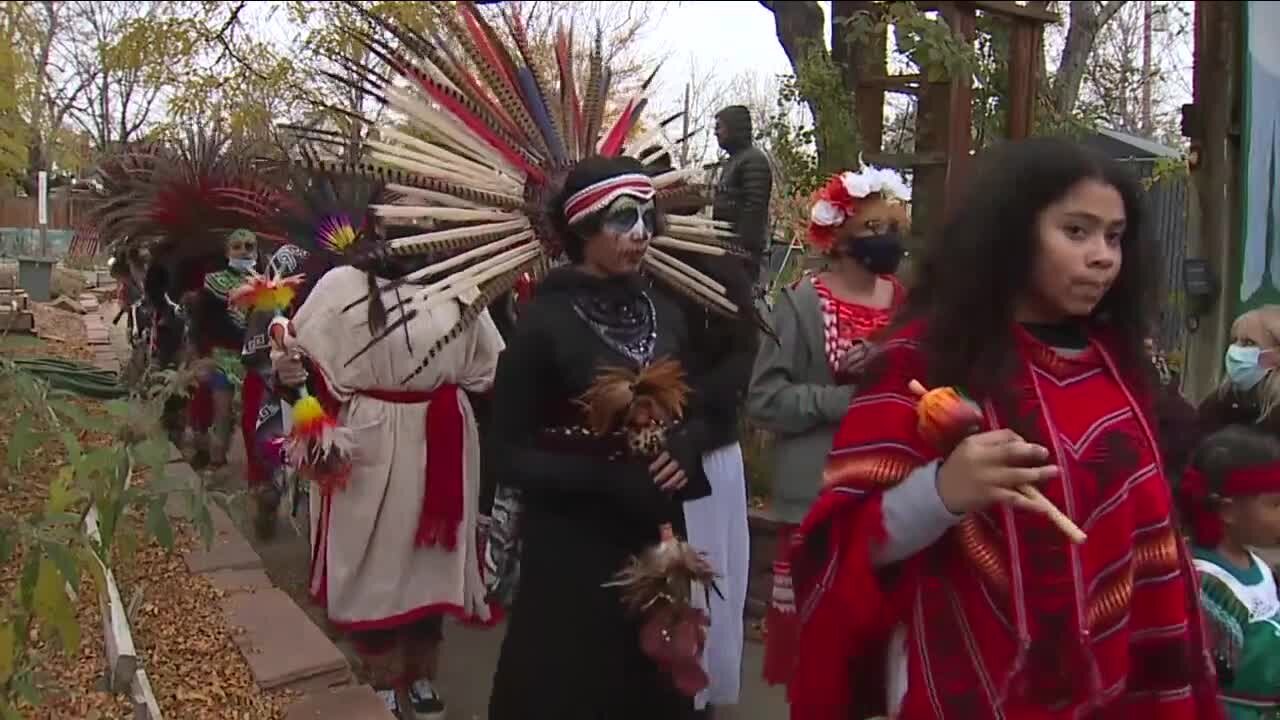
x,y
589,171
972,275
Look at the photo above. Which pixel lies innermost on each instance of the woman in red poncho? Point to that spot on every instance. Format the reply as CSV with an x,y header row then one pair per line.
x,y
927,585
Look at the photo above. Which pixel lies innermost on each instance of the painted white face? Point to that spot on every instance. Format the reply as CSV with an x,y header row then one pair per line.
x,y
620,246
631,216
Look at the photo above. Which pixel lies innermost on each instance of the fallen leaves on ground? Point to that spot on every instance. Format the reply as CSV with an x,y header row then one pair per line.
x,y
63,331
70,685
189,654
61,334
183,642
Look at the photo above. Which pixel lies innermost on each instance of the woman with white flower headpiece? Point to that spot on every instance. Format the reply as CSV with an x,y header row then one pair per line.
x,y
802,382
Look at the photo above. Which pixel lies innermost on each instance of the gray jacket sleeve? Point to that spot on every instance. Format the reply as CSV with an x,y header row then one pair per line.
x,y
780,400
914,516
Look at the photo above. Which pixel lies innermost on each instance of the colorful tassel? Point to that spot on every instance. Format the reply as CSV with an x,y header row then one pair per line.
x,y
318,448
337,234
263,294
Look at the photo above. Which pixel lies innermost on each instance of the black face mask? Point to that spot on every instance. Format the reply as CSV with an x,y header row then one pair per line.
x,y
880,254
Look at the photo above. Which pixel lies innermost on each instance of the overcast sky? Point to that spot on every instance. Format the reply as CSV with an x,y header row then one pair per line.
x,y
732,38
729,38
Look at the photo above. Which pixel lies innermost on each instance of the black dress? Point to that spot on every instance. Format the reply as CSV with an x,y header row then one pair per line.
x,y
570,652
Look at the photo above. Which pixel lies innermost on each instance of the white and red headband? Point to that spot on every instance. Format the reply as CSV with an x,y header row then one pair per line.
x,y
598,196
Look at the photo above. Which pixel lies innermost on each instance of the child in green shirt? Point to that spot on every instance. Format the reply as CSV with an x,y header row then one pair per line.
x,y
1230,500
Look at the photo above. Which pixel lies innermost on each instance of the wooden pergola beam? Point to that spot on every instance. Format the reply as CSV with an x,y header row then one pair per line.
x,y
1013,11
1007,10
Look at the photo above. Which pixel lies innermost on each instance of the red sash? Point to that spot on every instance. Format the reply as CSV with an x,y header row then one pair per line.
x,y
442,500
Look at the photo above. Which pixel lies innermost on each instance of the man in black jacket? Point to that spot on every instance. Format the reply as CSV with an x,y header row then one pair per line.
x,y
746,182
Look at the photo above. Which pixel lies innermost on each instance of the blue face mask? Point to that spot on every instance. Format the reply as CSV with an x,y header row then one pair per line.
x,y
1243,367
242,264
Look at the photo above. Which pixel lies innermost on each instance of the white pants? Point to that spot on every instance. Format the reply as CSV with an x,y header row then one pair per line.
x,y
717,526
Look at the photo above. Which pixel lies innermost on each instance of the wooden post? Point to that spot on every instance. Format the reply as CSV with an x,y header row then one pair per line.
x,y
684,133
929,182
864,67
1218,93
960,17
1022,78
944,118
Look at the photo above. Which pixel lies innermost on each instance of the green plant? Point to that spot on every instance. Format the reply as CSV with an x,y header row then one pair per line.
x,y
50,545
1167,168
757,447
925,41
807,153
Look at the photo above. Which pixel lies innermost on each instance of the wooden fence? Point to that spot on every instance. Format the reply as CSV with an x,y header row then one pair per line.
x,y
65,213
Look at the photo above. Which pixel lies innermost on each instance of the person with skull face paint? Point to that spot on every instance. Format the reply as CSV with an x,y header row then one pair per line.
x,y
802,382
216,325
588,506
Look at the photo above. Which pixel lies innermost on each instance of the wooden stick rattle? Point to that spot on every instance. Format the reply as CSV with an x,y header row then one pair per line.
x,y
942,414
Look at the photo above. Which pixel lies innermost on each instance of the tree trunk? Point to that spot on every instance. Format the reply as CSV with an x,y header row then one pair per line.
x,y
859,62
1087,18
800,29
39,135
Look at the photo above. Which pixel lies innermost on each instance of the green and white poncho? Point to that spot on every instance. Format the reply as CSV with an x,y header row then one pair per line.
x,y
1243,613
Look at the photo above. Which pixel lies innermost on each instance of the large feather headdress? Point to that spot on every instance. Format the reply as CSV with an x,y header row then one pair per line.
x,y
187,196
330,217
479,138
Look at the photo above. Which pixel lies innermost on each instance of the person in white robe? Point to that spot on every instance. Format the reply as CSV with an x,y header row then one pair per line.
x,y
388,560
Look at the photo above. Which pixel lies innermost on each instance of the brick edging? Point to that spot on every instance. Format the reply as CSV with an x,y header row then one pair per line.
x,y
236,569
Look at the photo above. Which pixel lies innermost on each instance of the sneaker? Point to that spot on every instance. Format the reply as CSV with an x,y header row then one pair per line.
x,y
427,704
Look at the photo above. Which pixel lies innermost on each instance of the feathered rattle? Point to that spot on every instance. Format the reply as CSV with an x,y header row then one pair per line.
x,y
945,417
658,583
317,447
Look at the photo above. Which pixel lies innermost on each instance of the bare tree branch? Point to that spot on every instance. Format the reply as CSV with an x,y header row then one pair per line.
x,y
1086,20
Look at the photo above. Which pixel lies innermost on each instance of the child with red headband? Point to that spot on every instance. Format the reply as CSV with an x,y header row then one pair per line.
x,y
1230,500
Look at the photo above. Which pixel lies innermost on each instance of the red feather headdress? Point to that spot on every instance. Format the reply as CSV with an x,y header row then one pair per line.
x,y
186,197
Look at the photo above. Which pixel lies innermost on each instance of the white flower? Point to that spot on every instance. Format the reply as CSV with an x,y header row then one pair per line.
x,y
856,184
826,213
892,185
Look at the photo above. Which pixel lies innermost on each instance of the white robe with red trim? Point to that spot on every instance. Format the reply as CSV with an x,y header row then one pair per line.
x,y
366,569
